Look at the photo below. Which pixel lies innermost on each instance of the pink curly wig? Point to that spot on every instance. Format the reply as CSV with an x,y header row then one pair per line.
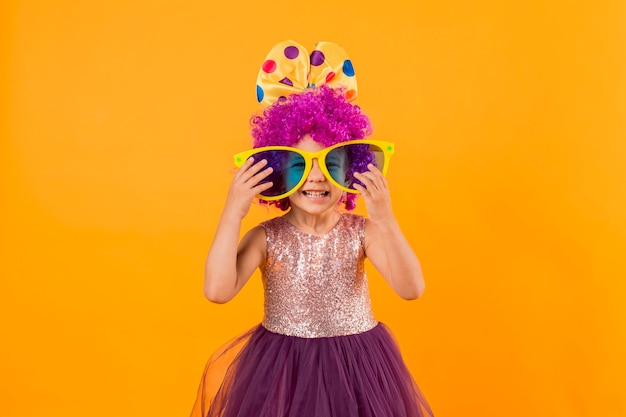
x,y
323,113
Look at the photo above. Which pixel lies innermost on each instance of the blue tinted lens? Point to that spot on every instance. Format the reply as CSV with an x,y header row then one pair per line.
x,y
348,159
337,164
294,167
288,168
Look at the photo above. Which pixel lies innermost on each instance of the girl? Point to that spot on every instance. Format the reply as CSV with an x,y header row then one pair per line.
x,y
319,351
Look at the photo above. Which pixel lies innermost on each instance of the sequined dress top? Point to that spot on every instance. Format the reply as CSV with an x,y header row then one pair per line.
x,y
315,285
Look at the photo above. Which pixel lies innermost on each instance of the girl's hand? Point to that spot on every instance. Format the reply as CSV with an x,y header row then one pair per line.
x,y
385,244
245,186
229,263
375,193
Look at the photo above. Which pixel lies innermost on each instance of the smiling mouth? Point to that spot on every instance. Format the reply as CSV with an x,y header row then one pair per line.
x,y
315,194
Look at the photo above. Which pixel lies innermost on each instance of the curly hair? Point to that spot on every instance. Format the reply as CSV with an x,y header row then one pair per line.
x,y
324,114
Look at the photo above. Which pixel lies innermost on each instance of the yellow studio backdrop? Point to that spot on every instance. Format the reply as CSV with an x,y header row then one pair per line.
x,y
118,123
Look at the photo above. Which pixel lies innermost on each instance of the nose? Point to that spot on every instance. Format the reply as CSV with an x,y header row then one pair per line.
x,y
316,174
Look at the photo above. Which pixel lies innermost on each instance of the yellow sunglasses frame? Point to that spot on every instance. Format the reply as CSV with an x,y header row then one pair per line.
x,y
387,148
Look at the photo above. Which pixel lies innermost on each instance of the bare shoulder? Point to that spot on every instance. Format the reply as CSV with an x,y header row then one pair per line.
x,y
372,235
371,231
254,239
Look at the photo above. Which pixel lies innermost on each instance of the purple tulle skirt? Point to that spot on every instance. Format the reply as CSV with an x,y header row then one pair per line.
x,y
264,374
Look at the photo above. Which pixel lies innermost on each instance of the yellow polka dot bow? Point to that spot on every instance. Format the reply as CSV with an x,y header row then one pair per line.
x,y
289,69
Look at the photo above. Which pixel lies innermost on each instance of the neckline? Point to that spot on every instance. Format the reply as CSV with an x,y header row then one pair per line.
x,y
297,229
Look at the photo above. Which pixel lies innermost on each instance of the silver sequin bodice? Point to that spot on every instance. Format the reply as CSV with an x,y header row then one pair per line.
x,y
315,285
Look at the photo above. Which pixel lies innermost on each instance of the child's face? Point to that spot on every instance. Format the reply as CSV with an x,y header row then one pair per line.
x,y
317,194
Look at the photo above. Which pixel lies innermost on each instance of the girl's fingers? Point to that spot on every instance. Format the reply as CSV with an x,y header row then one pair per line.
x,y
260,176
368,182
377,175
250,168
372,178
373,168
245,167
262,187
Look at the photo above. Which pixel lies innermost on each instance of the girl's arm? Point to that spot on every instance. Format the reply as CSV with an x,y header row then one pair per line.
x,y
385,244
230,264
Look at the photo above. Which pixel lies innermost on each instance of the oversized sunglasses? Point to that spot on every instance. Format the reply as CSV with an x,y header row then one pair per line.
x,y
338,163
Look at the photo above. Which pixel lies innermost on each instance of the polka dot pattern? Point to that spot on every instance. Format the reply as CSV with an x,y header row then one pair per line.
x,y
347,68
292,52
317,58
269,66
290,69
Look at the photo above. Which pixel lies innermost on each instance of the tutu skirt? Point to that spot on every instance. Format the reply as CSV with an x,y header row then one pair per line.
x,y
264,374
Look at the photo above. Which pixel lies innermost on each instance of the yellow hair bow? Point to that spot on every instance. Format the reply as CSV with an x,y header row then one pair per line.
x,y
289,69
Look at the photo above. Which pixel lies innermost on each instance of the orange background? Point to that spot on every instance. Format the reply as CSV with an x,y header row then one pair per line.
x,y
118,123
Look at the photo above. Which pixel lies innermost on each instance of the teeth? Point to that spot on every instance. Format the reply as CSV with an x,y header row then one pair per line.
x,y
316,194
